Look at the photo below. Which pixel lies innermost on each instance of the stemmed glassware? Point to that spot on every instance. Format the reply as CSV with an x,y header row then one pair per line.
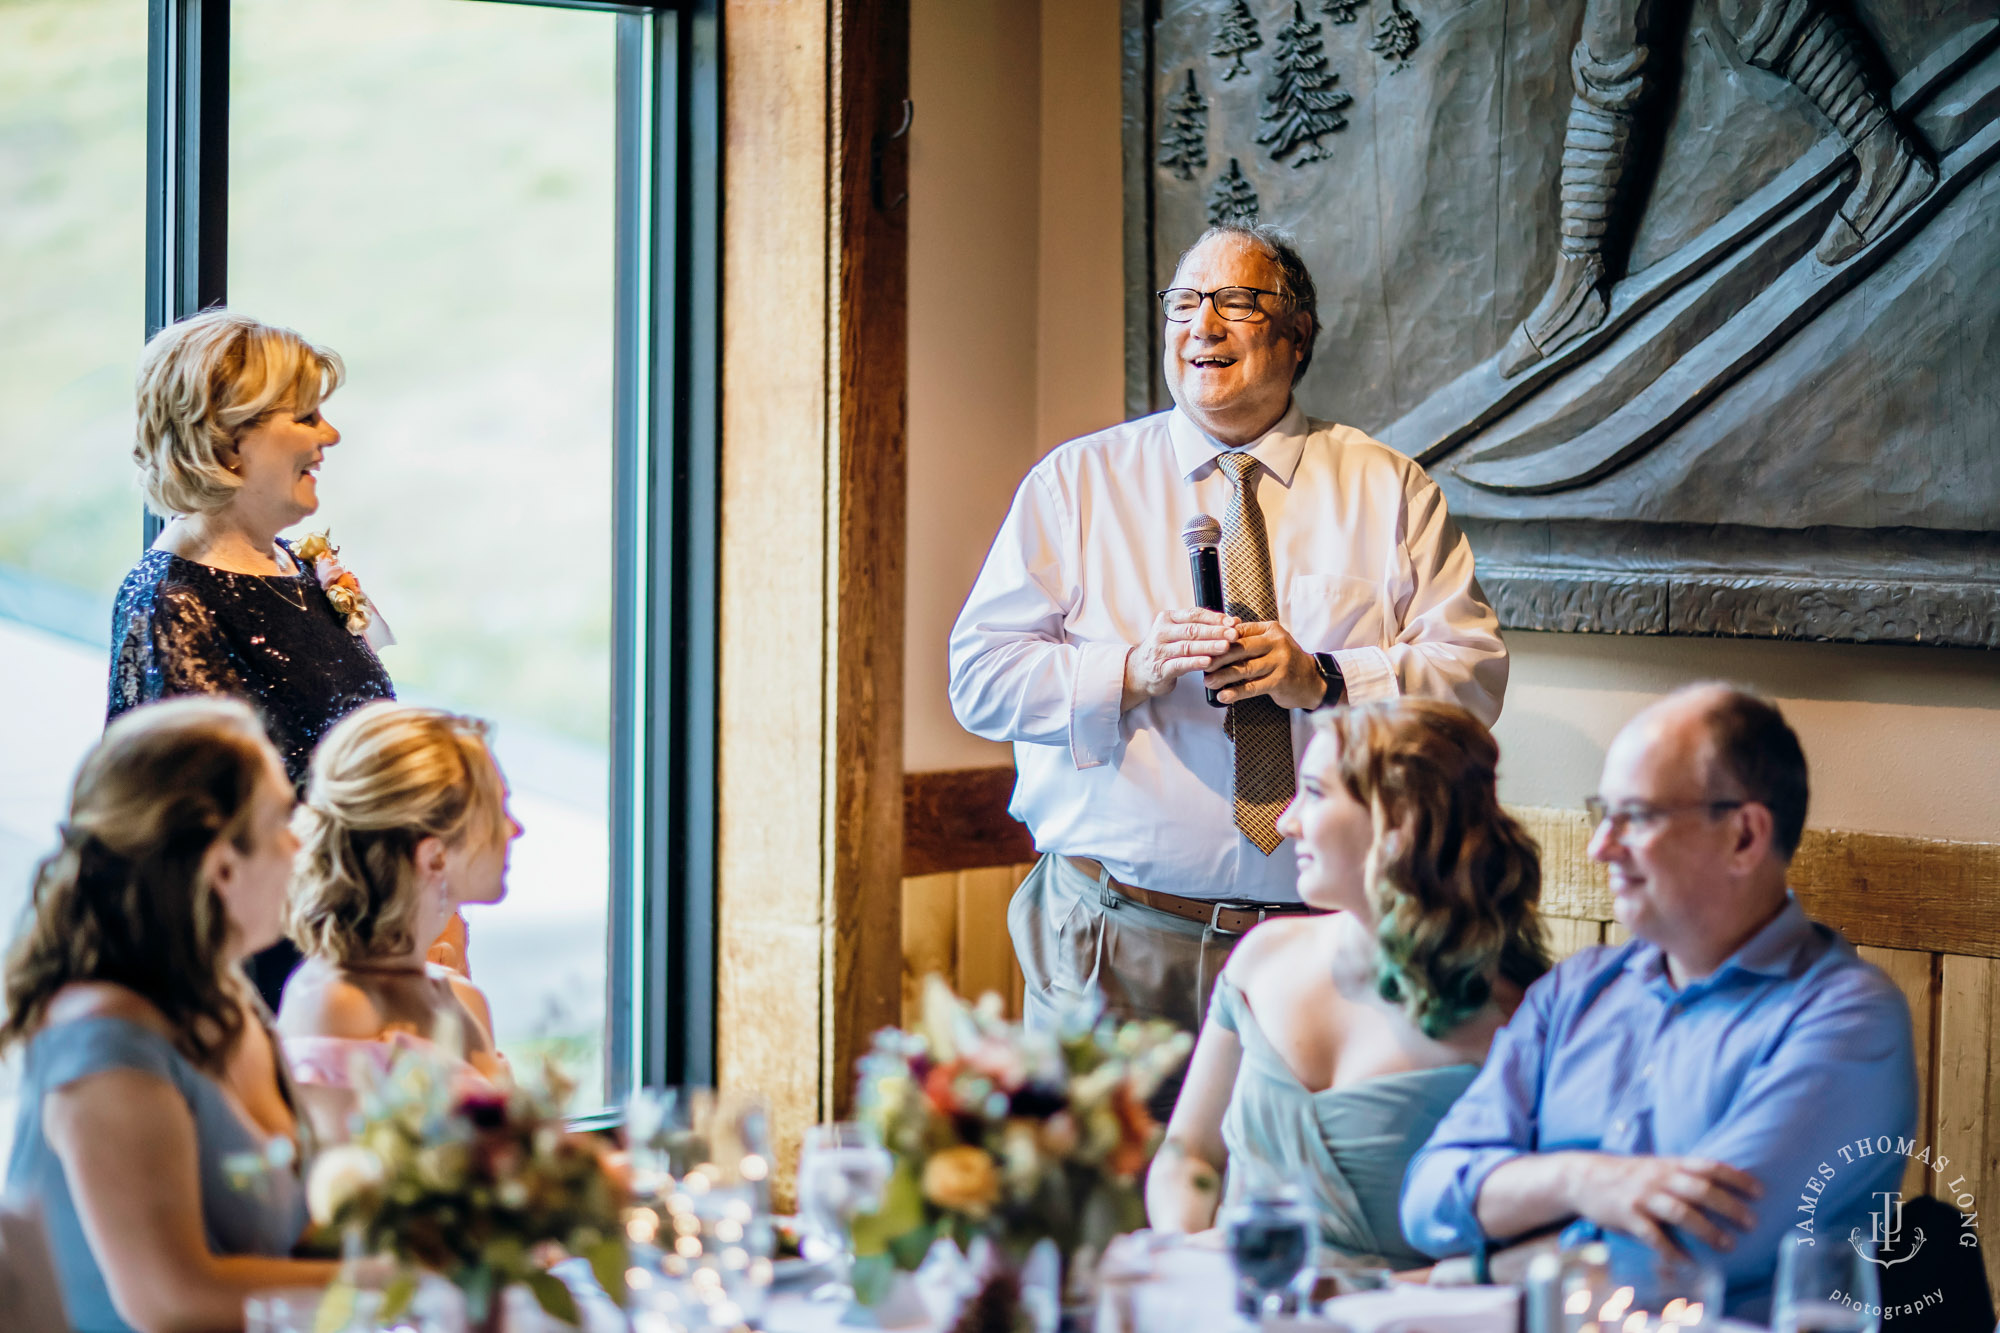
x,y
1270,1235
701,1162
843,1172
1827,1286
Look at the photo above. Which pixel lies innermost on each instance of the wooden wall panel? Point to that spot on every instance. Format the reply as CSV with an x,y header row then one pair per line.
x,y
930,935
985,955
1967,1092
1567,935
1915,974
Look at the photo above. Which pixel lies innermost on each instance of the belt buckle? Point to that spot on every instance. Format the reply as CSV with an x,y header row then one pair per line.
x,y
1215,914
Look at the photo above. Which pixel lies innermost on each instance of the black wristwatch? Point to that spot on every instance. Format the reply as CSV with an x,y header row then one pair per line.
x,y
1336,684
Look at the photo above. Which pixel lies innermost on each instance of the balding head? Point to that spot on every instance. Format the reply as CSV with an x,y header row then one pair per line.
x,y
1705,796
1741,746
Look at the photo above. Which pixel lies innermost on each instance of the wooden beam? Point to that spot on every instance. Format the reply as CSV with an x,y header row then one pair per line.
x,y
1929,895
809,822
957,820
869,328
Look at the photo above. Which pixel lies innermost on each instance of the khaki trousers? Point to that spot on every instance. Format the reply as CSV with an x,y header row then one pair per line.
x,y
1077,937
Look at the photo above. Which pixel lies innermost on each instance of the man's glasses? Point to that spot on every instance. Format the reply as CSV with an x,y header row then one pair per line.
x,y
1179,304
1639,817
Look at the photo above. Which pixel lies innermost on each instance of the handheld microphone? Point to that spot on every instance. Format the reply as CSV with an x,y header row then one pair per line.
x,y
1200,535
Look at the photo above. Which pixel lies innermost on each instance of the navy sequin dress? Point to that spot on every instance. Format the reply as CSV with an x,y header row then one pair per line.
x,y
275,640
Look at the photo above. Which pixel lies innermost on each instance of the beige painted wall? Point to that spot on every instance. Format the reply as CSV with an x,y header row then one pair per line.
x,y
1015,187
1015,319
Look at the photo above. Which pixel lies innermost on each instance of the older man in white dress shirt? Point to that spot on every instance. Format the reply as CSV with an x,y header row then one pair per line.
x,y
1346,582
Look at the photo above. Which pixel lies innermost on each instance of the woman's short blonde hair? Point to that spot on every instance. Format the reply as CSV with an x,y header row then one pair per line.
x,y
386,777
1456,882
203,383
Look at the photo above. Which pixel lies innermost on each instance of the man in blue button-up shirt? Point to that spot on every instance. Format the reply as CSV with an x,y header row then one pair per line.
x,y
1718,1085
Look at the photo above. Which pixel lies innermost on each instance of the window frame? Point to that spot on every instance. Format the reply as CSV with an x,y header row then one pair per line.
x,y
660,975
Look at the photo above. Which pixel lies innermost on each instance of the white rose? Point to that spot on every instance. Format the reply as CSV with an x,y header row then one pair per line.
x,y
339,1177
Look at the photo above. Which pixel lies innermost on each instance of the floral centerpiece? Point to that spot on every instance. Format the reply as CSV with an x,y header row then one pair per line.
x,y
1013,1135
483,1186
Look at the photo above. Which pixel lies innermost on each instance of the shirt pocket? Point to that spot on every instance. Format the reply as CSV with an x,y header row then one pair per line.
x,y
1329,611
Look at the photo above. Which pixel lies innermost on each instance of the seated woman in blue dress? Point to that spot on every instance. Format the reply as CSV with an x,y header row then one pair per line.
x,y
1334,1043
405,820
156,1131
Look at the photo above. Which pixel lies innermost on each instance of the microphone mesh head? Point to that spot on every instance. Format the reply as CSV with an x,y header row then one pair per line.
x,y
1199,531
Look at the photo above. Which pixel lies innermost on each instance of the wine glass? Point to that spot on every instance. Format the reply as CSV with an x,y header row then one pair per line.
x,y
1270,1236
665,1132
843,1172
702,1159
1826,1285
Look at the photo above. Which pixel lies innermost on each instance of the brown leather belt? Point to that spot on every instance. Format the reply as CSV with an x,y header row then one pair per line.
x,y
1229,918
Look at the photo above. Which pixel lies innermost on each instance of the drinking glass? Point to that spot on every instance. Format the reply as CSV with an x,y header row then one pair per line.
x,y
665,1129
843,1172
1826,1286
1662,1292
1270,1235
702,1161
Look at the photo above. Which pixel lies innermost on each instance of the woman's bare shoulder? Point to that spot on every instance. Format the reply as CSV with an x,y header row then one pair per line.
x,y
321,1002
105,999
1275,943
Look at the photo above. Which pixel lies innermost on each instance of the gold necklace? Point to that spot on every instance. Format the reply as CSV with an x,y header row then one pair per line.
x,y
298,571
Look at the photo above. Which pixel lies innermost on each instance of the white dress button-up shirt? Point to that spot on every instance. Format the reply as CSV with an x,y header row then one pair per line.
x,y
1367,566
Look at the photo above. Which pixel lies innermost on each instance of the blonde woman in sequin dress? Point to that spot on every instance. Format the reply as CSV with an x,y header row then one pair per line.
x,y
230,441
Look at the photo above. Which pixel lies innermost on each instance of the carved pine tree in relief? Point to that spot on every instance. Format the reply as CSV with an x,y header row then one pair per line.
x,y
1302,103
1340,11
1233,199
1235,33
1398,35
1184,132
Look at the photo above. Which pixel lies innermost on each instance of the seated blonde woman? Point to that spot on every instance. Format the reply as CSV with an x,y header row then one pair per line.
x,y
156,1132
1335,1043
405,820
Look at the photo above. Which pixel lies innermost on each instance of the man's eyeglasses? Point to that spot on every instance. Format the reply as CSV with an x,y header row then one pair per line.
x,y
1639,817
1179,304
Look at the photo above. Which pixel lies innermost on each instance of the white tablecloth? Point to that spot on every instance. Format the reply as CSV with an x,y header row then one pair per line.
x,y
1191,1287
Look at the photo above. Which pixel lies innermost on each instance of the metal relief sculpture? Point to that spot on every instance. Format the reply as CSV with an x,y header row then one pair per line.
x,y
1692,312
1398,37
1302,103
1340,11
1235,33
1184,132
1796,38
1233,199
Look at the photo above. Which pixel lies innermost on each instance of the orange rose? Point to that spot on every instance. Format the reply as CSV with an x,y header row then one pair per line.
x,y
963,1180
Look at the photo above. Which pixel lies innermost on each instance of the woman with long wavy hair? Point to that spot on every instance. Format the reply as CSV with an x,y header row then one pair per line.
x,y
155,1130
1335,1042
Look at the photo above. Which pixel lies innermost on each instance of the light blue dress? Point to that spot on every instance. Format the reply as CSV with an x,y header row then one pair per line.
x,y
1344,1148
260,1213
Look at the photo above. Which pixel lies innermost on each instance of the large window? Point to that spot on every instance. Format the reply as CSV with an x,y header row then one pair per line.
x,y
426,186
501,215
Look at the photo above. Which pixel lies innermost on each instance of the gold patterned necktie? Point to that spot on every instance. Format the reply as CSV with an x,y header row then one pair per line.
x,y
1260,729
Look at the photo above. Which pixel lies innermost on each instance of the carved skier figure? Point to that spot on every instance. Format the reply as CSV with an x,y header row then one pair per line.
x,y
1797,39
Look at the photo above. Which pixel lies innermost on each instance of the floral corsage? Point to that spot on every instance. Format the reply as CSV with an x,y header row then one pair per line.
x,y
343,590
